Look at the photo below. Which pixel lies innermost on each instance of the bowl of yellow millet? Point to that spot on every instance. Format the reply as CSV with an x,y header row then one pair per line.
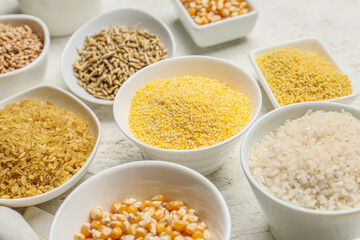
x,y
188,110
301,70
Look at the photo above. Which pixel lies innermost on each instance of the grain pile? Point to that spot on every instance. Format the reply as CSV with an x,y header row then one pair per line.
x,y
298,76
187,113
41,147
111,56
19,46
312,161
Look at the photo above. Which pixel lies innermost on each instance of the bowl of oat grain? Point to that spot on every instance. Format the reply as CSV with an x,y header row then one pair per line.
x,y
24,47
101,55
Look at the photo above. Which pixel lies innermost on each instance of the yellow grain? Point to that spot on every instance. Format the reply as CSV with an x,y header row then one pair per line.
x,y
298,76
187,112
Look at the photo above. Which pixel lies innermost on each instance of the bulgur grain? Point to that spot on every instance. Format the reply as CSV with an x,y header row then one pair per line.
x,y
41,147
298,76
187,113
312,161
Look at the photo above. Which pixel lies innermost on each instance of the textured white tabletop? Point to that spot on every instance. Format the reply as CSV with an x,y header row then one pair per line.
x,y
335,23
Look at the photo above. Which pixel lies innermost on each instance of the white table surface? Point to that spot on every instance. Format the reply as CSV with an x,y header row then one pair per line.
x,y
336,23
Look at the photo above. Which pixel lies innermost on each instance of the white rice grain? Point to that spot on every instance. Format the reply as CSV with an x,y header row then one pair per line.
x,y
312,161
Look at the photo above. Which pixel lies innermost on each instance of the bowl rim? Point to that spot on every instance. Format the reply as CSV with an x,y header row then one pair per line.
x,y
46,46
87,96
199,58
196,26
83,169
252,57
253,182
148,163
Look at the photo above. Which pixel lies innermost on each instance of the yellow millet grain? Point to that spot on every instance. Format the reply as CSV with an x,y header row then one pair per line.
x,y
298,76
41,147
187,112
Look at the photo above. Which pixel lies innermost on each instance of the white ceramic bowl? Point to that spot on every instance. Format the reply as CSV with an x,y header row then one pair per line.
x,y
143,180
66,100
63,17
120,17
287,221
217,32
310,44
204,160
33,73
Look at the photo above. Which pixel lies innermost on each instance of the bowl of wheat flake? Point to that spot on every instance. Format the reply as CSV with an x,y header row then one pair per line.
x,y
101,55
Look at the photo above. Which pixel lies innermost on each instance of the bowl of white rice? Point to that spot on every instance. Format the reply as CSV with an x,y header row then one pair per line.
x,y
303,164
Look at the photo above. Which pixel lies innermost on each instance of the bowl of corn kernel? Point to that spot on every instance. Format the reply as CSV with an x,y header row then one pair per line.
x,y
214,22
189,110
144,200
302,70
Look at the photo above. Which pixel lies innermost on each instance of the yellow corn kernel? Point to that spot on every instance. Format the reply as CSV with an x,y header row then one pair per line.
x,y
160,227
123,208
197,235
95,224
201,226
132,209
106,232
140,232
115,207
116,233
207,235
144,205
180,225
191,11
168,230
79,236
86,229
179,238
96,213
158,198
191,228
115,224
174,205
158,214
174,234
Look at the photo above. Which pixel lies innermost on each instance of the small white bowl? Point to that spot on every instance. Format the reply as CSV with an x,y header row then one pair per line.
x,y
126,17
66,100
63,17
143,180
287,221
204,160
310,44
217,32
33,73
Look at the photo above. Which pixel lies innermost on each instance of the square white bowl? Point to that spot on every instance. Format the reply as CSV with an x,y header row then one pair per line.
x,y
217,32
60,98
310,44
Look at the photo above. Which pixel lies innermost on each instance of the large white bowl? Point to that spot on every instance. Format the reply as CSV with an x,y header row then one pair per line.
x,y
287,221
217,32
143,180
204,160
126,17
33,73
309,44
66,100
